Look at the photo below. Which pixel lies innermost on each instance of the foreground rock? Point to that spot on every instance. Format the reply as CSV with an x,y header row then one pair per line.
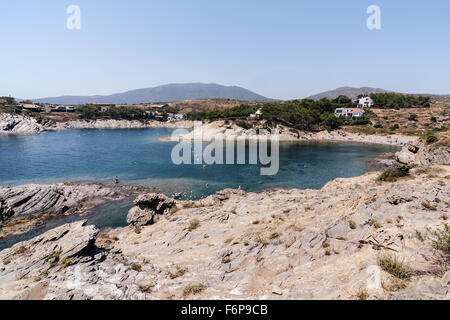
x,y
148,207
276,244
33,260
23,207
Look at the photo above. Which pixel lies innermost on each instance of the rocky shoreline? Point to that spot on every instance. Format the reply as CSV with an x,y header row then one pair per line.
x,y
276,244
23,208
273,244
18,124
222,130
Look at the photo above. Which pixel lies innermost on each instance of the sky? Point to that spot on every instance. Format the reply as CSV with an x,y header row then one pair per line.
x,y
282,49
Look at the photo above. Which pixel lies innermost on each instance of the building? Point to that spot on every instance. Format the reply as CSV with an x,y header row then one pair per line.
x,y
349,113
364,102
257,115
105,109
62,108
31,107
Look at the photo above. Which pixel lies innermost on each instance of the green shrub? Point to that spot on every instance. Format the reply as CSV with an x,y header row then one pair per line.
x,y
394,127
393,173
430,138
243,124
440,239
378,125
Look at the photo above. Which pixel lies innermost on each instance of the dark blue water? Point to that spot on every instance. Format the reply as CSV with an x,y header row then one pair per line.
x,y
138,157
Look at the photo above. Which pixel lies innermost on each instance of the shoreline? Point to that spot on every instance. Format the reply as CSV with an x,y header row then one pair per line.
x,y
219,130
20,125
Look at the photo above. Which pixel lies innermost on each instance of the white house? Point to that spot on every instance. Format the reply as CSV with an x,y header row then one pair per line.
x,y
349,113
257,115
365,102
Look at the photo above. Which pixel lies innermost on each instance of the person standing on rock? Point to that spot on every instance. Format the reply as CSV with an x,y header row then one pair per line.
x,y
117,180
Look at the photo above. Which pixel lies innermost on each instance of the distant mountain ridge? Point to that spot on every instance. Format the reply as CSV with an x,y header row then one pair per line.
x,y
164,93
347,91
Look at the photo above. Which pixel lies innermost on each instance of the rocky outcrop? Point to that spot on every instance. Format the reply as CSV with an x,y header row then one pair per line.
x,y
420,153
275,244
10,123
33,259
18,124
22,206
148,207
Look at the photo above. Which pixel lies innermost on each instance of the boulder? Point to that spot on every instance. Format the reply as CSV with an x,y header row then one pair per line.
x,y
147,209
405,156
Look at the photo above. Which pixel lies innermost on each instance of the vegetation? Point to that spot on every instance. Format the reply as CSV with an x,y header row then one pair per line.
x,y
394,266
194,224
303,114
193,289
8,100
440,239
179,273
394,127
430,138
398,101
136,267
392,174
362,294
92,112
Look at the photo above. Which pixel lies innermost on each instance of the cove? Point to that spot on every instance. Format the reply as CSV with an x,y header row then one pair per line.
x,y
137,157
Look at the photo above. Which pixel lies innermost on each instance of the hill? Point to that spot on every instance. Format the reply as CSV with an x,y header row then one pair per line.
x,y
347,91
165,93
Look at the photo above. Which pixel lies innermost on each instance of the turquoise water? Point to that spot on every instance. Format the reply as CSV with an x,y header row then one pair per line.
x,y
138,157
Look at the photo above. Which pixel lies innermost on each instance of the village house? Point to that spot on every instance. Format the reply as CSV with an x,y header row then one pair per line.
x,y
349,113
62,108
31,107
364,102
257,115
105,109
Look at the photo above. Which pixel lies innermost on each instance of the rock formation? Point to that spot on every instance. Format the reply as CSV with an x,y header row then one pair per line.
x,y
18,124
148,207
420,153
22,206
275,244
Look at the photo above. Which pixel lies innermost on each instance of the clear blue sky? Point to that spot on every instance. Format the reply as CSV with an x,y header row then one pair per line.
x,y
281,49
